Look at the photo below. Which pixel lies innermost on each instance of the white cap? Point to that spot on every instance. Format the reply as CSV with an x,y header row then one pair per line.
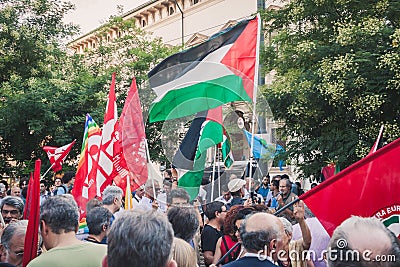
x,y
236,184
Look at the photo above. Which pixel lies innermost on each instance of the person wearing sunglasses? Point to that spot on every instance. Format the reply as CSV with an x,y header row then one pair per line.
x,y
12,209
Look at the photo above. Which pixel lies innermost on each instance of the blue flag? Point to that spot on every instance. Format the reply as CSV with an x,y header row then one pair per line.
x,y
260,146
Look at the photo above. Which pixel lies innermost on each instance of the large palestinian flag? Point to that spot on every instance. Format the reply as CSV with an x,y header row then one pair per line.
x,y
218,71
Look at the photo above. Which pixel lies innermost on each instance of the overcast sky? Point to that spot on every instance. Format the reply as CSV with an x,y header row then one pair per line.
x,y
90,14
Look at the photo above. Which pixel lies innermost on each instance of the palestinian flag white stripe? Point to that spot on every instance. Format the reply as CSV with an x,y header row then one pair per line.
x,y
216,72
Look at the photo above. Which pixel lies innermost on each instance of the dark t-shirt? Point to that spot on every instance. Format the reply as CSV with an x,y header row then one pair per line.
x,y
209,238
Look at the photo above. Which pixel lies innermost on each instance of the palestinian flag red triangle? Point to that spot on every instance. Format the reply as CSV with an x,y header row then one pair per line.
x,y
218,71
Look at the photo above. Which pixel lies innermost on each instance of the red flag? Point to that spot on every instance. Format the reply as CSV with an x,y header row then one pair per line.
x,y
132,158
32,231
378,140
328,171
103,170
90,149
369,187
28,195
57,155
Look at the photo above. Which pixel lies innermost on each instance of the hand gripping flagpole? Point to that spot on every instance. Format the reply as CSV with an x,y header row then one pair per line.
x,y
256,78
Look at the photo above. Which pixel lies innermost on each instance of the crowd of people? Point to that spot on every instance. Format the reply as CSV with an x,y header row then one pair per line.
x,y
168,228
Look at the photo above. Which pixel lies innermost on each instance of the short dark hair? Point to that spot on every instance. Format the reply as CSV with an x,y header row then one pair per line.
x,y
275,183
21,182
60,213
93,203
184,222
68,177
96,218
178,193
140,239
212,207
15,202
43,182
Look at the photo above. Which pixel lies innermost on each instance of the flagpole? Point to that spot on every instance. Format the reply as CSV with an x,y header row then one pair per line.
x,y
213,175
286,206
221,260
148,161
219,177
256,74
47,171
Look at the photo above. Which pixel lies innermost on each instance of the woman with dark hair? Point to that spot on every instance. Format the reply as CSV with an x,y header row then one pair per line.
x,y
230,238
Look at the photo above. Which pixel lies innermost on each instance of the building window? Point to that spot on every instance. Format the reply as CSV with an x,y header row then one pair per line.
x,y
144,23
171,10
193,2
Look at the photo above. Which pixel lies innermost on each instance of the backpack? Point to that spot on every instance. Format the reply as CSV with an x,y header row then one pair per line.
x,y
63,187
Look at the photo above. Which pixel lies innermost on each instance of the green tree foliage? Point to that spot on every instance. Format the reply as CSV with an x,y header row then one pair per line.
x,y
30,67
46,92
132,53
337,77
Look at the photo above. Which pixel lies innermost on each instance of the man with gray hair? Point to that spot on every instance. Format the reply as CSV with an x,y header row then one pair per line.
x,y
12,209
12,241
140,239
262,236
112,198
59,221
363,242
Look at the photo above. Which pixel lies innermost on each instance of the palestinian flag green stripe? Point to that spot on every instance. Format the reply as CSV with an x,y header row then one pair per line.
x,y
200,96
211,135
219,71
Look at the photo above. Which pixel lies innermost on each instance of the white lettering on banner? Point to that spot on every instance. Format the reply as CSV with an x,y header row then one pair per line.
x,y
142,149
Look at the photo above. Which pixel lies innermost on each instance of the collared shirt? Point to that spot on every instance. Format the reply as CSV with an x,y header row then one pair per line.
x,y
146,204
222,199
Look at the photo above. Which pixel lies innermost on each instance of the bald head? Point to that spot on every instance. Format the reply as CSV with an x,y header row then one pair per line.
x,y
262,222
262,231
362,235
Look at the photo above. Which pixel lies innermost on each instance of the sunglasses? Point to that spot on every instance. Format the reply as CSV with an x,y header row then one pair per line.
x,y
12,212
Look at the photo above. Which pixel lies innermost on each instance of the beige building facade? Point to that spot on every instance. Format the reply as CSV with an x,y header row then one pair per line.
x,y
190,21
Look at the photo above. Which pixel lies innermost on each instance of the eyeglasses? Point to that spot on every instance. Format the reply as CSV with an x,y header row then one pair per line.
x,y
236,229
12,212
18,254
21,253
